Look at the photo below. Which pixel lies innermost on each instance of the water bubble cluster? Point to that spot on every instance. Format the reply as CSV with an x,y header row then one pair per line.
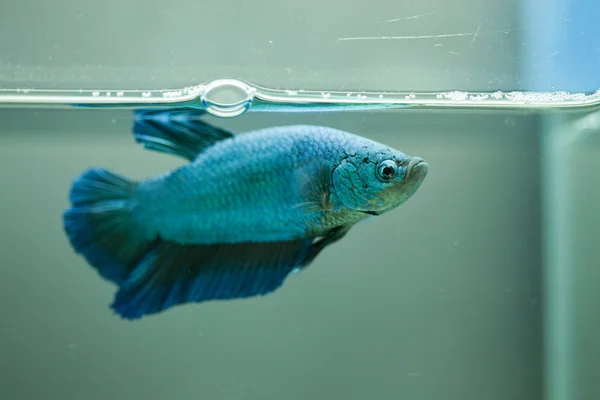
x,y
454,96
535,98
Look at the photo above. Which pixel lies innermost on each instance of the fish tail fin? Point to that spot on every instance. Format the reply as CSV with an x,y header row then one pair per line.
x,y
101,226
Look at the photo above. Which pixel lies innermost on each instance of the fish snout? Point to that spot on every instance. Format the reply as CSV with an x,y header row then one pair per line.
x,y
417,169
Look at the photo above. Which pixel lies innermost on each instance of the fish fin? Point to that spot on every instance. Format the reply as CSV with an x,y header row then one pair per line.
x,y
314,181
328,239
173,274
99,223
180,132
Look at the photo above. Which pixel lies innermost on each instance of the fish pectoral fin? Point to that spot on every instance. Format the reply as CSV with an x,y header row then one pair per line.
x,y
171,274
314,183
176,131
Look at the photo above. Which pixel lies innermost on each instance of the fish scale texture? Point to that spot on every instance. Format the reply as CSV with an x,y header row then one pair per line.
x,y
247,188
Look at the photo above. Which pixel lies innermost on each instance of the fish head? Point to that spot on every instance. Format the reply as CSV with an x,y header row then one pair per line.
x,y
377,180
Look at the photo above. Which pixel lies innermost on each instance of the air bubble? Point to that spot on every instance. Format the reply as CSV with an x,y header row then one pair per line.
x,y
479,97
227,98
455,96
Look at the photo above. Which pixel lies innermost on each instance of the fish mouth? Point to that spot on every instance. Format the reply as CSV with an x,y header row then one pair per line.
x,y
417,169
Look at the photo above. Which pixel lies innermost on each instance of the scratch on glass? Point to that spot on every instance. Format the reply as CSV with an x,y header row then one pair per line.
x,y
447,35
411,17
476,33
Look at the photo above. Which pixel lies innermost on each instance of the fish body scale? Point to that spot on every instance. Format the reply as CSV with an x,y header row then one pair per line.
x,y
243,189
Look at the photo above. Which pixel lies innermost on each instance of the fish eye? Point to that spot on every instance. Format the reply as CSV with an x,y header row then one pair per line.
x,y
387,169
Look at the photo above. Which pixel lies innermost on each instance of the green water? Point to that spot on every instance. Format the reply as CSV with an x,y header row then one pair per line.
x,y
462,293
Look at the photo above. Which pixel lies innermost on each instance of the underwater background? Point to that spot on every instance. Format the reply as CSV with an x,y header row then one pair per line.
x,y
439,298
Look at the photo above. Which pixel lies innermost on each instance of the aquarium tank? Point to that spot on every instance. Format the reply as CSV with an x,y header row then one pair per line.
x,y
467,262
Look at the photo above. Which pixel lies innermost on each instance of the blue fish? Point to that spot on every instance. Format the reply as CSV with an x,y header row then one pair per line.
x,y
238,218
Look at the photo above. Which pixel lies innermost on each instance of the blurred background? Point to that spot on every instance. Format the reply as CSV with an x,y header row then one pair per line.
x,y
383,45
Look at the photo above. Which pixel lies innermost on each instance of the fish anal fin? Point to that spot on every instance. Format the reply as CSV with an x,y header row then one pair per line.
x,y
172,274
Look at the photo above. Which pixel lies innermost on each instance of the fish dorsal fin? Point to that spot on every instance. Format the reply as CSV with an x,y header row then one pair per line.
x,y
180,132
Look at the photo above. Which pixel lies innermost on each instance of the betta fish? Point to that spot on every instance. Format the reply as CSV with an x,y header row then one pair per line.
x,y
243,213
